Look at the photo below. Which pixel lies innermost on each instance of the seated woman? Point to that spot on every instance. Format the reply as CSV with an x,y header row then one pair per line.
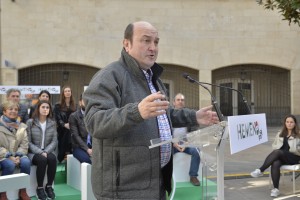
x,y
42,136
43,95
13,145
285,152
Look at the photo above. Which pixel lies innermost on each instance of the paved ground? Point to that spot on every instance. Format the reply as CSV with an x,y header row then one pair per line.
x,y
238,183
258,189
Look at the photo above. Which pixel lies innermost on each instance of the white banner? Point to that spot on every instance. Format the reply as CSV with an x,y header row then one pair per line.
x,y
246,131
52,89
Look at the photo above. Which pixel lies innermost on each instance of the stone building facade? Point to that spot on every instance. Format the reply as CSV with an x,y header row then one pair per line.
x,y
229,42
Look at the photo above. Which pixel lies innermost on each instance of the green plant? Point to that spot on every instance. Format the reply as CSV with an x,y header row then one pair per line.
x,y
289,9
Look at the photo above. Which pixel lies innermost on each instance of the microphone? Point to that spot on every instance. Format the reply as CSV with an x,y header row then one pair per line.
x,y
186,76
213,98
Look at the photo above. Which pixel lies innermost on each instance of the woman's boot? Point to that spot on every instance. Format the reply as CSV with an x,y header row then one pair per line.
x,y
3,196
23,195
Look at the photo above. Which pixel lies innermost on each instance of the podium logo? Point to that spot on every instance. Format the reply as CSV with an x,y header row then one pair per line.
x,y
247,130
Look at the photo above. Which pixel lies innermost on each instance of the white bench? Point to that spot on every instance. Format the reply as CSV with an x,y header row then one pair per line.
x,y
79,177
181,167
14,181
12,188
86,185
73,172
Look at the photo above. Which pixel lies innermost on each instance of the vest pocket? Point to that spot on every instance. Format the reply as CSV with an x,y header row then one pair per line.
x,y
130,169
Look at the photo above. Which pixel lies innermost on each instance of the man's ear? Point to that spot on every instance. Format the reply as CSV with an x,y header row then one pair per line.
x,y
126,44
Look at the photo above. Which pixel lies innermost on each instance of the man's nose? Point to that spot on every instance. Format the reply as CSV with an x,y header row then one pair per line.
x,y
152,46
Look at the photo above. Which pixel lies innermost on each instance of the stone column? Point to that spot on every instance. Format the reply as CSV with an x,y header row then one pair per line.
x,y
295,94
205,98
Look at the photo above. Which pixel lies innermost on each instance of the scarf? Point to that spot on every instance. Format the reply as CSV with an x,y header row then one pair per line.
x,y
10,124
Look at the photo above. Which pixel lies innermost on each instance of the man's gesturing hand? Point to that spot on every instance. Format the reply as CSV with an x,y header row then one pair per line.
x,y
207,117
153,105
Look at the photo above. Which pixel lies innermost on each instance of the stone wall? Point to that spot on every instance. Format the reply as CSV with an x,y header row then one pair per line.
x,y
203,35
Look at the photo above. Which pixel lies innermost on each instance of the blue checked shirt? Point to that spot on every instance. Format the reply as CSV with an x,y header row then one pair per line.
x,y
163,126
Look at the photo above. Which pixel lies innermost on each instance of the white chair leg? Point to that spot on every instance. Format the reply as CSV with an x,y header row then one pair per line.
x,y
294,182
293,169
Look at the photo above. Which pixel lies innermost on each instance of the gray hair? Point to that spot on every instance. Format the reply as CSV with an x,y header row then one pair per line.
x,y
9,91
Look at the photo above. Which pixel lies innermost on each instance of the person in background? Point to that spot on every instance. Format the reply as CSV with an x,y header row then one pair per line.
x,y
126,107
13,145
62,112
81,140
179,103
286,152
42,137
14,94
43,95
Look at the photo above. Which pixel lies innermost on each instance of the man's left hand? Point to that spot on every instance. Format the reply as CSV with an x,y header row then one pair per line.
x,y
206,116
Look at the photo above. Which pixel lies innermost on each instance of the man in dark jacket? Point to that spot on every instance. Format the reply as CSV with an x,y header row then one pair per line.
x,y
126,107
14,95
179,103
81,140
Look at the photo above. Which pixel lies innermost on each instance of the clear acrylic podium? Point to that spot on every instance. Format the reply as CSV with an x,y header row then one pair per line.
x,y
211,141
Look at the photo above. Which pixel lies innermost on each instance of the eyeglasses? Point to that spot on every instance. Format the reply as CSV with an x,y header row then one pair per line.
x,y
45,107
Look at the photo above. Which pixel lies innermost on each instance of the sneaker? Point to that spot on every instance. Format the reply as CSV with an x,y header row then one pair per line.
x,y
40,194
194,181
256,173
275,192
50,192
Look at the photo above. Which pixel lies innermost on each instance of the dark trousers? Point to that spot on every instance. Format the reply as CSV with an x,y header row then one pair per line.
x,y
64,143
42,162
81,155
163,191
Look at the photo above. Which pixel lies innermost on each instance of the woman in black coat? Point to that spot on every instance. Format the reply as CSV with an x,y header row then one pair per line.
x,y
62,112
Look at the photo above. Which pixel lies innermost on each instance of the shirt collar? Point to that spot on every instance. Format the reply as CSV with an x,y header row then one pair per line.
x,y
148,74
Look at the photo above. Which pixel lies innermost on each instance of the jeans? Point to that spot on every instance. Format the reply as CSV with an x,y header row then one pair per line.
x,y
195,160
81,155
8,166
